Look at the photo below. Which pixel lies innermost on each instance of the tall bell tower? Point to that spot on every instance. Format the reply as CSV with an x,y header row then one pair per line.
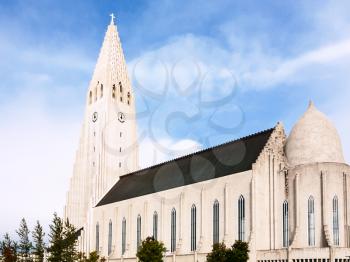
x,y
108,145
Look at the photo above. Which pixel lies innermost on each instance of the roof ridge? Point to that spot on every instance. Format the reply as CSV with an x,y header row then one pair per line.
x,y
199,151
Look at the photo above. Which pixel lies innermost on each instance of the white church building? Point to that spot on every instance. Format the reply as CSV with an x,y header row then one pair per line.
x,y
288,196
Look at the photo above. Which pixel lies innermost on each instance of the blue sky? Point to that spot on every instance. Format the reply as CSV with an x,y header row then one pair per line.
x,y
274,55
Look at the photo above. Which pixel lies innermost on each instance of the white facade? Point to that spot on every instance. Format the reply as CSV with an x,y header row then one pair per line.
x,y
293,203
108,145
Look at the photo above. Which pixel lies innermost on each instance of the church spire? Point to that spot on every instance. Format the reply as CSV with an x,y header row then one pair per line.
x,y
111,66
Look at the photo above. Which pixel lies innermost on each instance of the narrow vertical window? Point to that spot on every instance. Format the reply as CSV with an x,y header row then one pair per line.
x,y
241,218
138,232
113,91
95,94
311,221
155,225
173,230
123,236
110,237
101,91
121,91
128,98
285,224
90,98
97,237
216,227
335,221
193,228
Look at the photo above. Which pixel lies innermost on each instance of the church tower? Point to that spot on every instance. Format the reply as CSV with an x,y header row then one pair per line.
x,y
108,145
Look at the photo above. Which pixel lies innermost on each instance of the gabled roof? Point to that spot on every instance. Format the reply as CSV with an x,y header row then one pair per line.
x,y
226,159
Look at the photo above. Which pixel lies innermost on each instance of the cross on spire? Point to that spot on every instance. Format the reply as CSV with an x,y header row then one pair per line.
x,y
112,18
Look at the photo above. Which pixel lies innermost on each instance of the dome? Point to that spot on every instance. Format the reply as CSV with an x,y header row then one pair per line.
x,y
314,139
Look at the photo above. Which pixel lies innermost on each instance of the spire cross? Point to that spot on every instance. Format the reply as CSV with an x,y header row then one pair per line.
x,y
112,18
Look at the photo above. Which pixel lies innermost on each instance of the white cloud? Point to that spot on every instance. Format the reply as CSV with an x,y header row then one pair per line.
x,y
256,71
286,70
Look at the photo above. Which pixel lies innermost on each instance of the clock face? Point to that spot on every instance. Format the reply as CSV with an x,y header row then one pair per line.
x,y
121,117
94,117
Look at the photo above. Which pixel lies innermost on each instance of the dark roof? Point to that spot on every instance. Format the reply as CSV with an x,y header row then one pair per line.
x,y
226,159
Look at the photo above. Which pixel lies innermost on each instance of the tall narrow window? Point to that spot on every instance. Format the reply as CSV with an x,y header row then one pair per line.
x,y
155,225
216,222
101,91
97,237
335,221
110,237
121,91
173,230
138,232
128,98
96,94
311,221
193,228
113,91
90,97
285,224
123,236
241,218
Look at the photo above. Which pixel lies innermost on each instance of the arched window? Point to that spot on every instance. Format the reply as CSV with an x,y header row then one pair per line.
x,y
285,224
123,236
216,222
90,98
97,237
241,218
193,228
113,91
173,230
110,237
155,225
101,91
311,221
335,221
138,232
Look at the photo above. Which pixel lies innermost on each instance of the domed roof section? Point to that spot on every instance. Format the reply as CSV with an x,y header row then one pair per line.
x,y
314,139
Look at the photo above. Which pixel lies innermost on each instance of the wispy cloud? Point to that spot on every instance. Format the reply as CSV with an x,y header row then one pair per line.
x,y
286,70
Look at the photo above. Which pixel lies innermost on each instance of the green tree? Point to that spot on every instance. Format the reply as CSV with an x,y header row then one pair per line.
x,y
219,253
239,252
70,239
93,257
8,249
151,250
56,239
24,245
39,244
63,241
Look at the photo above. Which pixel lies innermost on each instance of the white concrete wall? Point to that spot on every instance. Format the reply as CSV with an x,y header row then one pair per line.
x,y
164,202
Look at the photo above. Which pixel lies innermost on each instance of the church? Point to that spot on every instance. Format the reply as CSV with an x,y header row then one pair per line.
x,y
286,195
